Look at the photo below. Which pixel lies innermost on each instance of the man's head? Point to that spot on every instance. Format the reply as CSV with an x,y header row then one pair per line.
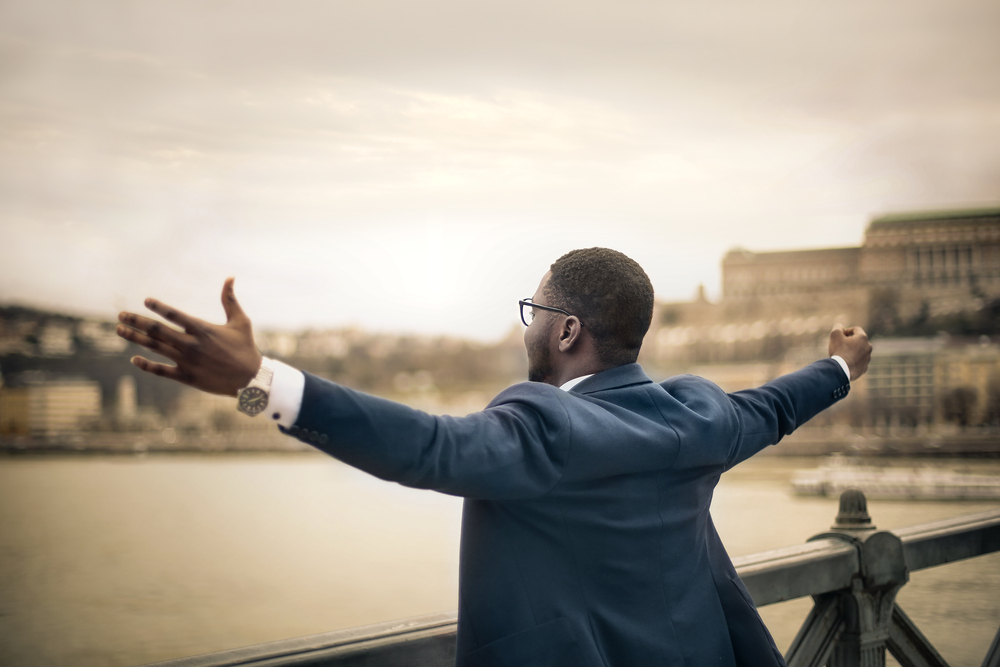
x,y
611,295
611,302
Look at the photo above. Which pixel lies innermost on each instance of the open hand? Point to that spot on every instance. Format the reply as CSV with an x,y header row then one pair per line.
x,y
220,359
851,345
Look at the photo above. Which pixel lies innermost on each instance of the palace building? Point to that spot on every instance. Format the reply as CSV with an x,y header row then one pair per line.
x,y
940,263
911,267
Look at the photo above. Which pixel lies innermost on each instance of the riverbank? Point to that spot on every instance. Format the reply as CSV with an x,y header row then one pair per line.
x,y
148,442
821,442
806,442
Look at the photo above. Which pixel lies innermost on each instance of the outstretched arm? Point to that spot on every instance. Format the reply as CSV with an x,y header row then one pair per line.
x,y
768,413
217,358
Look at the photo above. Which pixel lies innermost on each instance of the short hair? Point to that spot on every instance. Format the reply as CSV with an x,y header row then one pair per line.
x,y
611,295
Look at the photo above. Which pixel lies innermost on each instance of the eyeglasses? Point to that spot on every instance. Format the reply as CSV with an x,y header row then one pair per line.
x,y
528,316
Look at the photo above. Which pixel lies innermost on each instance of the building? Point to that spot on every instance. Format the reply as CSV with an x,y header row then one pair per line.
x,y
802,282
968,377
16,335
100,337
910,265
913,271
933,263
902,384
41,406
55,339
934,380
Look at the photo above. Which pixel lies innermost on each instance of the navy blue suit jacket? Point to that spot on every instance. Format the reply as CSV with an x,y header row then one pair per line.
x,y
586,534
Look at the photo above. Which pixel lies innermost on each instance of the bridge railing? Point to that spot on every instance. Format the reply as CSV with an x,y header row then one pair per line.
x,y
853,573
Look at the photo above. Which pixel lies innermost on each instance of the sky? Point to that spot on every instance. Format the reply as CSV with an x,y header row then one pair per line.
x,y
416,166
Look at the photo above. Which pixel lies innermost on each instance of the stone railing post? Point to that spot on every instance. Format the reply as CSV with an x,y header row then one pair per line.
x,y
853,627
866,608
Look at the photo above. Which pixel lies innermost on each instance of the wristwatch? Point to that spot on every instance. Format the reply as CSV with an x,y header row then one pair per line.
x,y
252,399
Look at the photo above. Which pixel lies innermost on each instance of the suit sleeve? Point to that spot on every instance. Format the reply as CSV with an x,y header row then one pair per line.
x,y
767,414
516,448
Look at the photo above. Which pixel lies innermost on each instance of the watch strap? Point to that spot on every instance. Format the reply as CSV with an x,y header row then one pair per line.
x,y
263,377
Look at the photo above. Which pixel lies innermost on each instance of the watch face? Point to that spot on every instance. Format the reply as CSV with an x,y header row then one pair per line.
x,y
252,400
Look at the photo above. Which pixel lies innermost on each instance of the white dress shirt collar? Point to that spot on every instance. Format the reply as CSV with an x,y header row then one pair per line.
x,y
575,381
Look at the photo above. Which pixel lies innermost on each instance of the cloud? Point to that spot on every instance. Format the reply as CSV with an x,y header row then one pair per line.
x,y
434,157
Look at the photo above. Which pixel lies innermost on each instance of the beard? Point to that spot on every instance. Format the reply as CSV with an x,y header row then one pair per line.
x,y
539,356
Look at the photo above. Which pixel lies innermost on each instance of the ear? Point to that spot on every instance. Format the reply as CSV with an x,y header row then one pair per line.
x,y
570,333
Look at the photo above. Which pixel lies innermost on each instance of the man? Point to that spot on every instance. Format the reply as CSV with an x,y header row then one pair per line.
x,y
586,535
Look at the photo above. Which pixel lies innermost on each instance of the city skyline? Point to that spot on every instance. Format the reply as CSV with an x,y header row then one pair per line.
x,y
417,171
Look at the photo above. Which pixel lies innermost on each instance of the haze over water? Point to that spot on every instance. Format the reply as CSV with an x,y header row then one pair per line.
x,y
115,561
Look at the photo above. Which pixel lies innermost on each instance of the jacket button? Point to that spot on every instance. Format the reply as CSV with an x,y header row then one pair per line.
x,y
323,439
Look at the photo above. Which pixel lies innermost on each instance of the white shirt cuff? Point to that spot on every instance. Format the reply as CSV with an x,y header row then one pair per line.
x,y
285,399
843,365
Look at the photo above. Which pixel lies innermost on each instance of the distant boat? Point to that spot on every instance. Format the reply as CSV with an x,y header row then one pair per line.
x,y
924,483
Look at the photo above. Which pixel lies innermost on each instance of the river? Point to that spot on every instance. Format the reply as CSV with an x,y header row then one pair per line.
x,y
115,561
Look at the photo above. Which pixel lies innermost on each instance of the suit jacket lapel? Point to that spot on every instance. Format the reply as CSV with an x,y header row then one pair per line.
x,y
613,378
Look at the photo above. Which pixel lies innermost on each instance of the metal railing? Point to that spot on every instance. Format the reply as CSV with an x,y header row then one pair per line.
x,y
852,572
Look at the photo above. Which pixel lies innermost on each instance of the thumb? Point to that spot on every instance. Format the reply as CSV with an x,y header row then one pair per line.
x,y
229,302
837,336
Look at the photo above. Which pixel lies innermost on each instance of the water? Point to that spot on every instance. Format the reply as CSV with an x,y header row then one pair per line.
x,y
110,561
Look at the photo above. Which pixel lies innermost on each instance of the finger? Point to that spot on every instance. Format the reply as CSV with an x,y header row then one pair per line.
x,y
171,314
163,370
151,344
229,302
157,330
